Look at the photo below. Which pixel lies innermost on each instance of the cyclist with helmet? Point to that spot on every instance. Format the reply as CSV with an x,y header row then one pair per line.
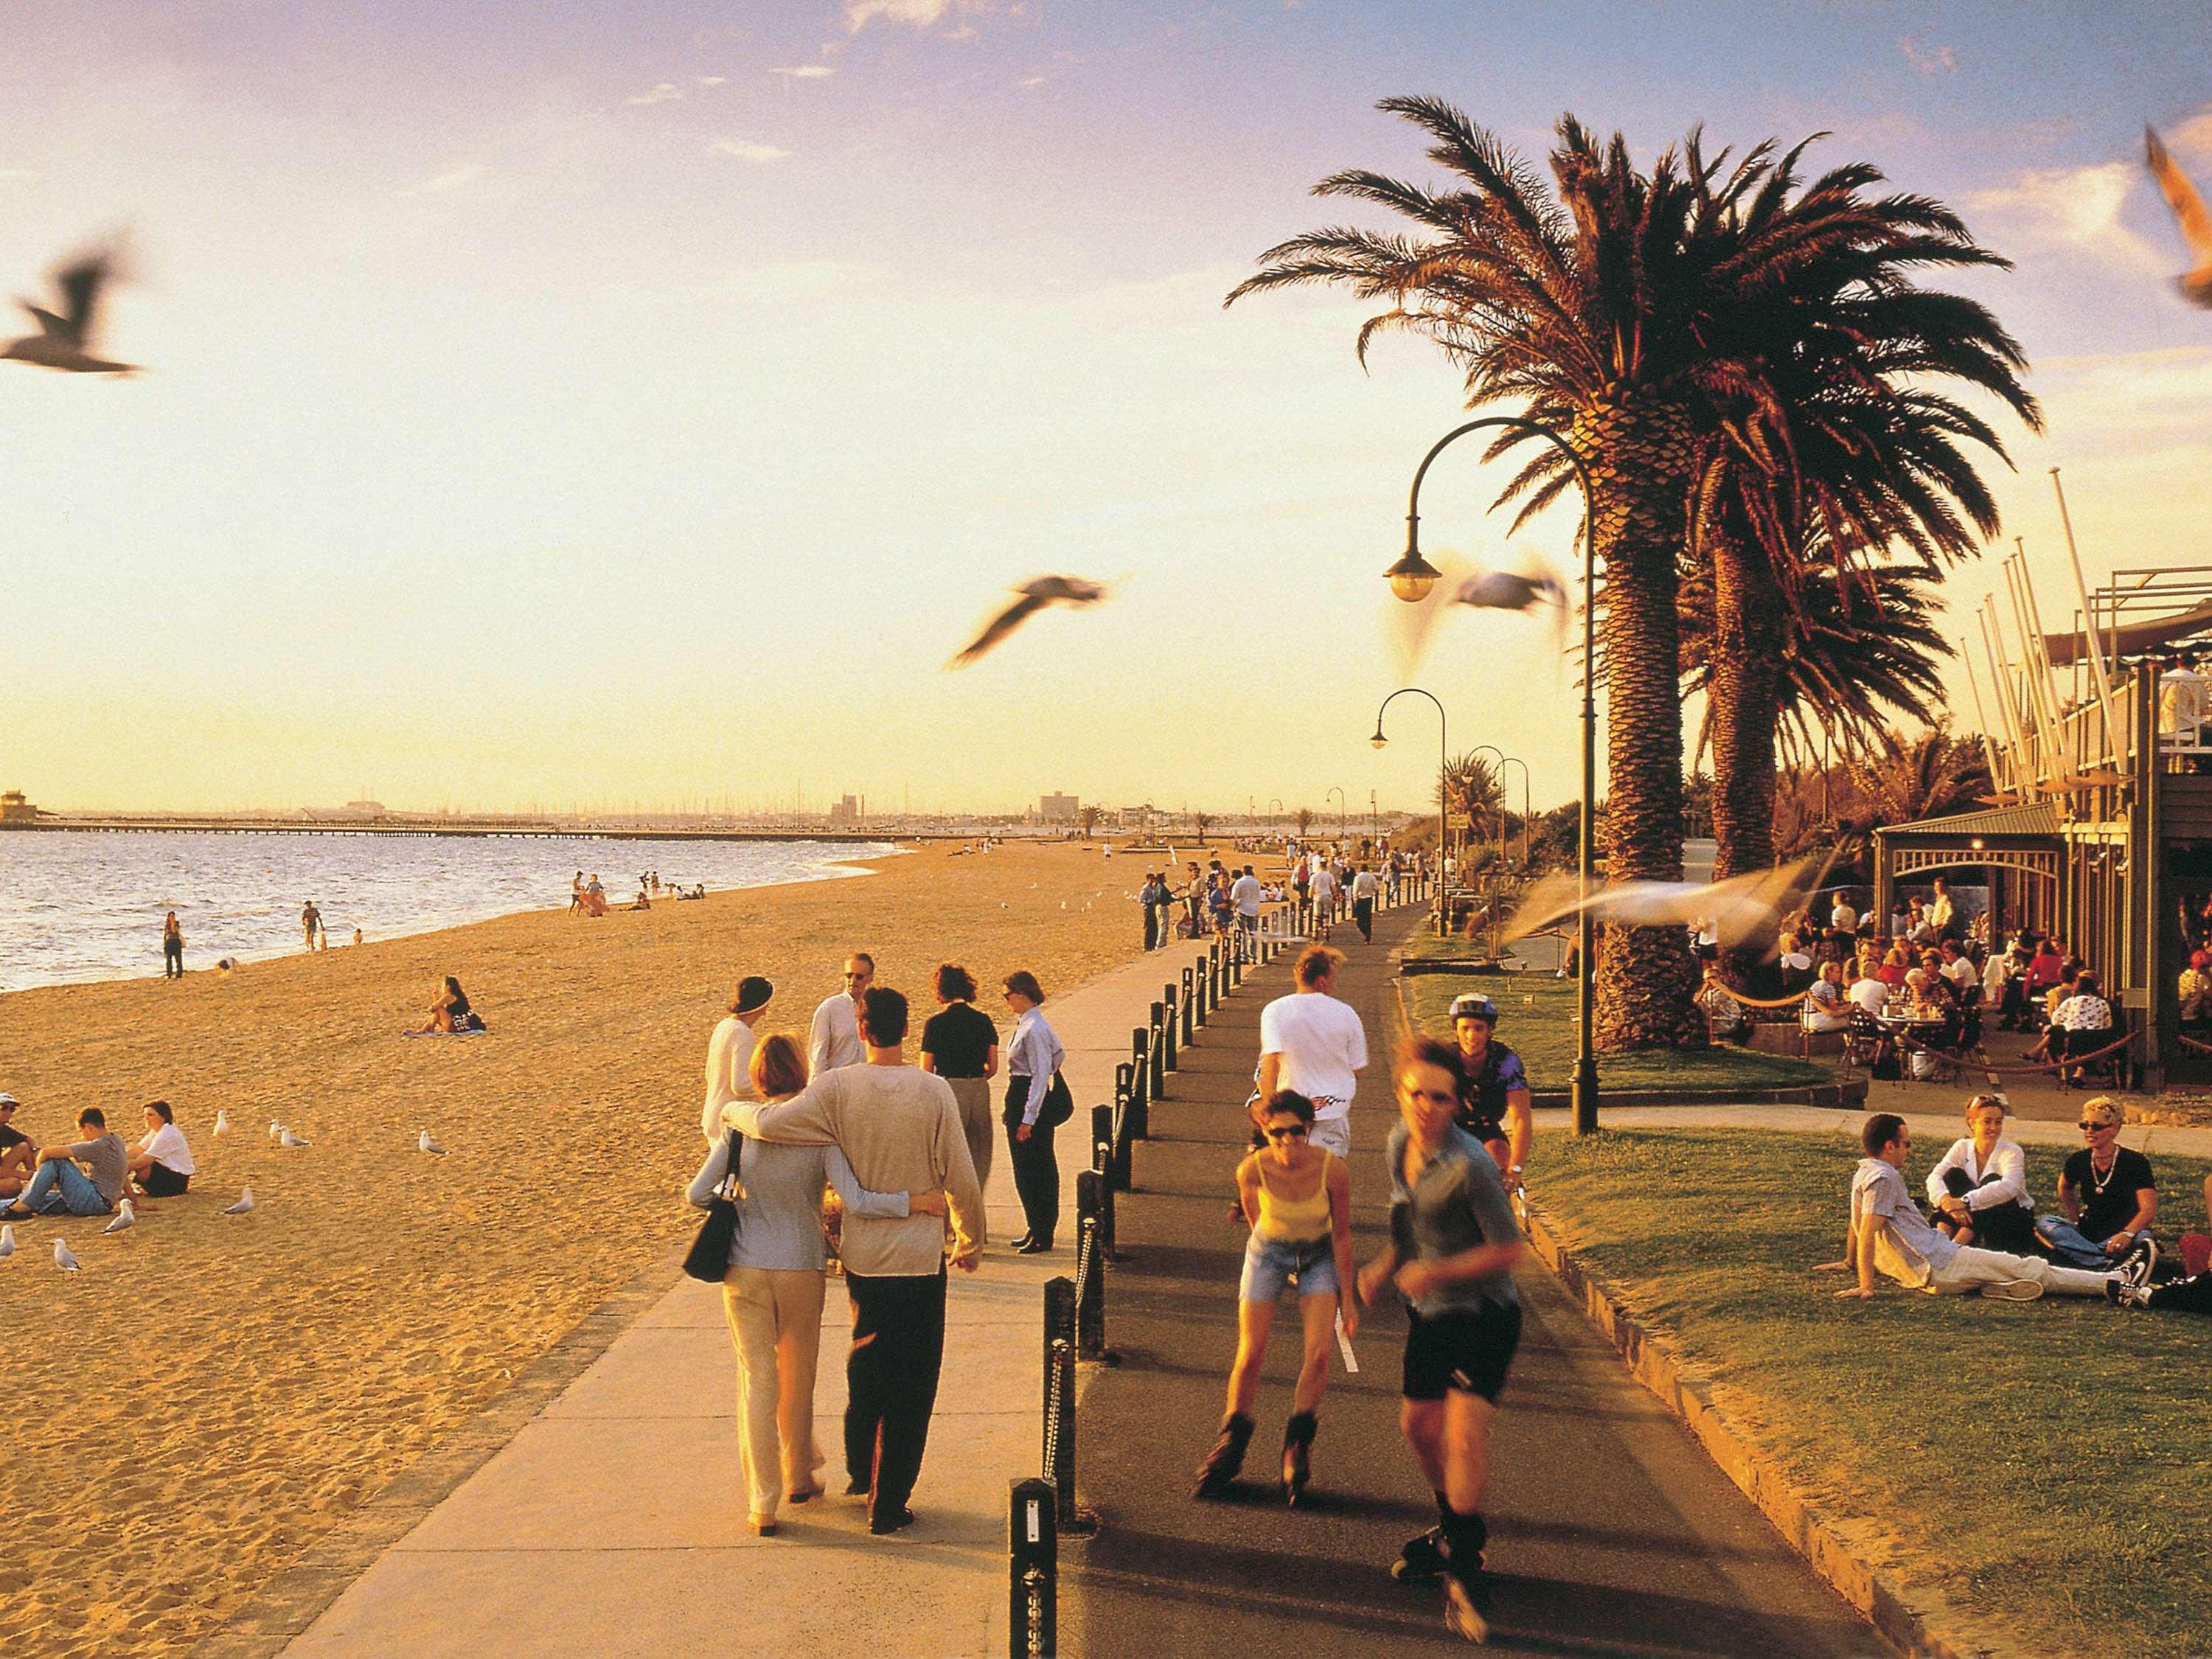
x,y
1494,1090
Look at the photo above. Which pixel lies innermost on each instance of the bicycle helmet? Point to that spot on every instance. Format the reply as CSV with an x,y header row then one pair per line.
x,y
1475,1005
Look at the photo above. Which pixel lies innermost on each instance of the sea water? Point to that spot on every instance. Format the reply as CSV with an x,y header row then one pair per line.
x,y
77,906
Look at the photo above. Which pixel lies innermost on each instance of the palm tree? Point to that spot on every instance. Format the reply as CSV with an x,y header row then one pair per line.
x,y
1201,821
1304,821
1470,785
1592,309
1087,818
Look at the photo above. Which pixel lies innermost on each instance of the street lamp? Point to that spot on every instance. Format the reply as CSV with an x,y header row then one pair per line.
x,y
1410,579
1443,794
1274,808
1337,790
1516,760
1493,749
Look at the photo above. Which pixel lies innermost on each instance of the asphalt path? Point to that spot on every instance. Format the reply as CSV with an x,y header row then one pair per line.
x,y
1611,1530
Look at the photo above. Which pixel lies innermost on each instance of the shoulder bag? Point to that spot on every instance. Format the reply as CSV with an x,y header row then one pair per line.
x,y
709,1258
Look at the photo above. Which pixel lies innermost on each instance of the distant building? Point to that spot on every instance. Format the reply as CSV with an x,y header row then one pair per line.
x,y
847,811
1058,809
1136,817
15,809
364,809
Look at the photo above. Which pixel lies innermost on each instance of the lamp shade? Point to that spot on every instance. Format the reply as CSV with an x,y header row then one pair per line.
x,y
1412,577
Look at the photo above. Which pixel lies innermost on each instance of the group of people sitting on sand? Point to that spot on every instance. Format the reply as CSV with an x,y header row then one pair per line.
x,y
587,897
94,1173
1981,1231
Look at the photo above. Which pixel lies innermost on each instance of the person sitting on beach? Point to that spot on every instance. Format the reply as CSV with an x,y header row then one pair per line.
x,y
642,901
1888,1233
772,1293
162,1164
2108,1192
59,1186
1979,1188
450,1013
18,1153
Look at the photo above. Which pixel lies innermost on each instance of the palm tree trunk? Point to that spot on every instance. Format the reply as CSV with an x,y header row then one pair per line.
x,y
1639,461
1745,699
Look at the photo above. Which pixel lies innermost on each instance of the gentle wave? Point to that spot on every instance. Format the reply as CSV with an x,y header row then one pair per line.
x,y
76,906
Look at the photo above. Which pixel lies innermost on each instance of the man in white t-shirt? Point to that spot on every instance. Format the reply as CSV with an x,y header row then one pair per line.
x,y
1312,1043
834,1040
1245,893
1324,890
1871,995
1365,889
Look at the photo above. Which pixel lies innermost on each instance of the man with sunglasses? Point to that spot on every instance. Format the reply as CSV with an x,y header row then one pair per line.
x,y
834,1040
2110,1197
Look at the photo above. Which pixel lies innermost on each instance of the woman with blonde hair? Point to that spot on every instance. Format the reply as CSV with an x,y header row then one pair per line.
x,y
772,1293
1979,1187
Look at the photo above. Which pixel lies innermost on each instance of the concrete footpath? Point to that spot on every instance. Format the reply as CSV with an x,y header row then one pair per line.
x,y
613,1522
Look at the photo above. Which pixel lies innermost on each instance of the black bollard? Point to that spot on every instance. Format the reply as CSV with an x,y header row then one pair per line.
x,y
1032,1568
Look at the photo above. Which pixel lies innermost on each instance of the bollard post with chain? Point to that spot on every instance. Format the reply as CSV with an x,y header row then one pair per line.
x,y
1191,1018
1032,1569
1156,1046
1172,1030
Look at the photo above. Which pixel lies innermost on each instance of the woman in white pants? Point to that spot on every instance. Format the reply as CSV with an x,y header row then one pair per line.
x,y
772,1294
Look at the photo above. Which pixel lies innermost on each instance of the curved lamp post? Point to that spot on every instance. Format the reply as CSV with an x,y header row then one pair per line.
x,y
1410,579
1337,790
1274,808
1443,794
1493,749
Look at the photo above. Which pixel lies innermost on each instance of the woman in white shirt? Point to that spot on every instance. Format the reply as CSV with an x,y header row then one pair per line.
x,y
1825,1009
1032,1061
1979,1188
1868,992
162,1164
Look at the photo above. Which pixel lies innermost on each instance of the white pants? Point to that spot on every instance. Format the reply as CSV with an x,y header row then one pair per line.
x,y
1971,1269
775,1325
1334,1133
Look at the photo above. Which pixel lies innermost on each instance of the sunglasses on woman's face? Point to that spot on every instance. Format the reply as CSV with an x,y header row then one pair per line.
x,y
2092,1128
1292,1132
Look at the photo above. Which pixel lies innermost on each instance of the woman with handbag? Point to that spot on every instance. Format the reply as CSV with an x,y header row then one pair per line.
x,y
1037,1104
771,1207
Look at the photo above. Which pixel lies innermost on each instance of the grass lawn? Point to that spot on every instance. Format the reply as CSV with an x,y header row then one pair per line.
x,y
2044,1463
1537,1020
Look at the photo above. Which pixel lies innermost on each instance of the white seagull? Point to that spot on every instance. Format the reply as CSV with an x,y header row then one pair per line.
x,y
1037,593
244,1205
276,1130
126,1218
64,339
7,1242
222,1122
1504,590
424,1144
2190,213
292,1142
66,1258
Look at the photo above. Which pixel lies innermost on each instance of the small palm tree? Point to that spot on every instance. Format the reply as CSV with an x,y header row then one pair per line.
x,y
1202,821
1087,817
1303,819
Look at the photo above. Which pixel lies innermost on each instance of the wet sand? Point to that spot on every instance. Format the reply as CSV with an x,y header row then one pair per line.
x,y
212,1393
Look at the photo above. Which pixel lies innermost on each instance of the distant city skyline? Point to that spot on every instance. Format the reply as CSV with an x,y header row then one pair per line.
x,y
643,402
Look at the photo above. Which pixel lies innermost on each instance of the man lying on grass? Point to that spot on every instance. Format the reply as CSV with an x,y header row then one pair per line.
x,y
1887,1231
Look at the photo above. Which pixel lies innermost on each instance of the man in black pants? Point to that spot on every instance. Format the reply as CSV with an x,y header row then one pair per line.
x,y
902,1127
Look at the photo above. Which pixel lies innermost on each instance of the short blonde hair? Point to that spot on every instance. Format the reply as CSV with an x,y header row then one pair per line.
x,y
2105,1107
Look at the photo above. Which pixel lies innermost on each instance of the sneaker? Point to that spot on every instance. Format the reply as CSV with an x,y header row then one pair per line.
x,y
2140,1262
1422,1559
1464,1609
2121,1294
2013,1290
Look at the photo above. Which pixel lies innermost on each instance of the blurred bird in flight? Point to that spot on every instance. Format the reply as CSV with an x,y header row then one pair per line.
x,y
1035,594
66,339
2191,214
1741,910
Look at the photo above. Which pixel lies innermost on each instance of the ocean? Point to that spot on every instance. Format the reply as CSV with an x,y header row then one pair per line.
x,y
86,906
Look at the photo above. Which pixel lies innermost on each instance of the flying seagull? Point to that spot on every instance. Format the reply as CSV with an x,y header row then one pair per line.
x,y
244,1205
7,1243
1037,593
126,1218
2190,213
1503,590
1741,909
424,1144
64,341
66,1258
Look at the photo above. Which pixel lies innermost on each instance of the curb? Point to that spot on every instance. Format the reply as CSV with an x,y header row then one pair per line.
x,y
1918,1623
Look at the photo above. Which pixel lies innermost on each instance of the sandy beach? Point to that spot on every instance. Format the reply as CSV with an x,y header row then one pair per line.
x,y
212,1393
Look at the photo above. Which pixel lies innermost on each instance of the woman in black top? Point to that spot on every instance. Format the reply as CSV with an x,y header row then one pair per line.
x,y
961,1045
2109,1195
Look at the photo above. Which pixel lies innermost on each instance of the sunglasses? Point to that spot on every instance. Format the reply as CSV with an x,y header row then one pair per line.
x,y
2091,1128
1295,1132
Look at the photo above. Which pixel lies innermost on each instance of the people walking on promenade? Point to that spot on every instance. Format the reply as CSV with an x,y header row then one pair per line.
x,y
730,1053
834,1039
1453,1249
772,1293
1245,893
1297,1198
172,947
1315,1045
1494,1096
1036,1105
961,1045
1149,897
900,1129
1366,887
1324,895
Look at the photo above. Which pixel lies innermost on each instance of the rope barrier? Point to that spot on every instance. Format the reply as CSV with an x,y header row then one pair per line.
x,y
2188,1041
2067,1064
1763,1002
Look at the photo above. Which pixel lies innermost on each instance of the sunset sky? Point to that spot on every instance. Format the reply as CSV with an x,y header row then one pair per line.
x,y
589,404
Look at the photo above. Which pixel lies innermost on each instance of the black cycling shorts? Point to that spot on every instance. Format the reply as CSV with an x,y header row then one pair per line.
x,y
1469,1351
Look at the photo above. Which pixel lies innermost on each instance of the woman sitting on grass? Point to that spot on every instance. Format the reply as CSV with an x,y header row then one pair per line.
x,y
1979,1188
450,1013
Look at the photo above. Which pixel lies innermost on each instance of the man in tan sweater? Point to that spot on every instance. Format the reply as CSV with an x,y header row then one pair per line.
x,y
900,1129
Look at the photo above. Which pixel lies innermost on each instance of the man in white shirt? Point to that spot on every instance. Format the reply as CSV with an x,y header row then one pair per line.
x,y
1960,970
1312,1043
1843,918
1869,993
730,1053
834,1040
1245,893
1324,891
1366,888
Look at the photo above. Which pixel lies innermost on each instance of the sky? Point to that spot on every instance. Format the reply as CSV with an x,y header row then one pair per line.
x,y
596,405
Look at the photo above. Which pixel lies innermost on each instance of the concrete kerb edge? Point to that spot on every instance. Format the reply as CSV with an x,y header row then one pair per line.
x,y
291,1601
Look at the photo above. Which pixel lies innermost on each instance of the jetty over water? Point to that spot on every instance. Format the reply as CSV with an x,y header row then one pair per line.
x,y
392,824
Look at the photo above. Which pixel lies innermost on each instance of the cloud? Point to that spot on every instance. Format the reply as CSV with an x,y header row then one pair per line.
x,y
1929,58
443,184
710,80
806,72
659,94
2073,207
922,14
747,150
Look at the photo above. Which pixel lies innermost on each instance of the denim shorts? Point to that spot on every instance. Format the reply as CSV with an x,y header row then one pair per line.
x,y
1270,1264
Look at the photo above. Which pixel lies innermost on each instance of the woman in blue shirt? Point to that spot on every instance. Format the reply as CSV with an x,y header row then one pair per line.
x,y
1033,1059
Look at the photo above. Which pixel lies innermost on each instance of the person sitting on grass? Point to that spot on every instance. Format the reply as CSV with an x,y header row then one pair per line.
x,y
1888,1233
18,1155
162,1164
450,1013
1979,1190
60,1186
2108,1192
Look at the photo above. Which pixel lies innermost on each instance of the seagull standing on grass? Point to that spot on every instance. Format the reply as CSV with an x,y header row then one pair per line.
x,y
66,1258
64,339
1037,593
126,1218
2190,213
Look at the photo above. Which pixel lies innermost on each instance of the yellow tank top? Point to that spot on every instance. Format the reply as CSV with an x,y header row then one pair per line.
x,y
1294,1220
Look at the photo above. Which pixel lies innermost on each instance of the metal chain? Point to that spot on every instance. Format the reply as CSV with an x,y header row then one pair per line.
x,y
1054,1406
1033,1586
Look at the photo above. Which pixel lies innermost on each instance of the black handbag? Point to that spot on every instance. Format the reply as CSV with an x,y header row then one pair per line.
x,y
709,1257
1059,1104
